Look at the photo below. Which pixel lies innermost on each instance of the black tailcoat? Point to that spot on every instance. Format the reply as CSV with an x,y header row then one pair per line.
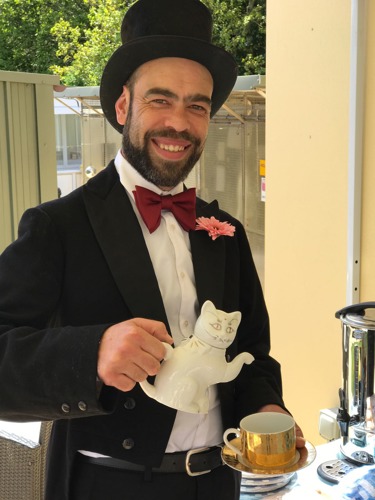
x,y
79,265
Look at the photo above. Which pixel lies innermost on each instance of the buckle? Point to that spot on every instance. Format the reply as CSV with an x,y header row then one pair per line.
x,y
187,462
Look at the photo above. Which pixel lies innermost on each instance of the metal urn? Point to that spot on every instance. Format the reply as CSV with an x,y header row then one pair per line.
x,y
356,415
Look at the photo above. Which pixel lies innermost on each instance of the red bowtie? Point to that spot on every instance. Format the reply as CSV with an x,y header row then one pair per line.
x,y
151,204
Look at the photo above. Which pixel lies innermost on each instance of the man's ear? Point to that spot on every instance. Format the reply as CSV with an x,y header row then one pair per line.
x,y
122,106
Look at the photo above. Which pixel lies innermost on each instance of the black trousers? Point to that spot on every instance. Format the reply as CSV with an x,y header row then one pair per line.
x,y
96,482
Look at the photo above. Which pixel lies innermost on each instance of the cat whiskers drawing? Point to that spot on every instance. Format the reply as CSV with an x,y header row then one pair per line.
x,y
190,369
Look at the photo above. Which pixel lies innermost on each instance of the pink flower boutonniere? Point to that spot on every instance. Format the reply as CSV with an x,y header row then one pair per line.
x,y
214,227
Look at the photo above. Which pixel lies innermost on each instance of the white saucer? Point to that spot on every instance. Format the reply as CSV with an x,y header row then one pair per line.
x,y
304,457
261,486
271,492
249,480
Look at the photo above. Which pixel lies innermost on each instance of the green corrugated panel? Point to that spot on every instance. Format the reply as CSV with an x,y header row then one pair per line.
x,y
27,147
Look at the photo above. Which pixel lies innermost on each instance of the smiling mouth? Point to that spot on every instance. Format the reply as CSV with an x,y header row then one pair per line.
x,y
172,147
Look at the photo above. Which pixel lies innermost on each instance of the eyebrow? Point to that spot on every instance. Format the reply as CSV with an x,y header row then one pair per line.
x,y
168,93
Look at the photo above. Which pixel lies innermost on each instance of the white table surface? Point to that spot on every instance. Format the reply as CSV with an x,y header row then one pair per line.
x,y
306,484
29,431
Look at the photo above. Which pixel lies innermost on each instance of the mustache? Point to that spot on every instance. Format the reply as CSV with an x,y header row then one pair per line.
x,y
172,134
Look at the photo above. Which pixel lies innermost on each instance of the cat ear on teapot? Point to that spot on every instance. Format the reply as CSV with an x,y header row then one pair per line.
x,y
236,316
208,306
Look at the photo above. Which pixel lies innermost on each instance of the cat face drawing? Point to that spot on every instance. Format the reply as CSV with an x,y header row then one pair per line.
x,y
189,370
216,328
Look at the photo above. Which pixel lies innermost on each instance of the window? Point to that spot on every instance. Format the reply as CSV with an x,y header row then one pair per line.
x,y
68,142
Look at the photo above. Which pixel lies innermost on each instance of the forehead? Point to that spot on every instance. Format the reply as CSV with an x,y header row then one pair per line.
x,y
174,73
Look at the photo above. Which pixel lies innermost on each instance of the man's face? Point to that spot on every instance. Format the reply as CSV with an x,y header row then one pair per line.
x,y
166,116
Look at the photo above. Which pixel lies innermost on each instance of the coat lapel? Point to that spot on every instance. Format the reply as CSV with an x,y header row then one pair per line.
x,y
208,259
120,237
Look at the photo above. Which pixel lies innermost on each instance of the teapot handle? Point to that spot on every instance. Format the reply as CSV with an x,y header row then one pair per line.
x,y
355,309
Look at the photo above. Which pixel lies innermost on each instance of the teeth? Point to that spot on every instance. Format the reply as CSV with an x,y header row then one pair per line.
x,y
169,147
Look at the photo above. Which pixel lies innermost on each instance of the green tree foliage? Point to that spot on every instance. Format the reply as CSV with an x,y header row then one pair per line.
x,y
240,28
74,40
26,41
83,63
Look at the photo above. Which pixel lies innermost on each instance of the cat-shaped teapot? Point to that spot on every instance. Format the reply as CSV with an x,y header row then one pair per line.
x,y
189,369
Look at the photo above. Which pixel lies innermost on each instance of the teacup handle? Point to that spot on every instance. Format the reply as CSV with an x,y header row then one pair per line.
x,y
228,443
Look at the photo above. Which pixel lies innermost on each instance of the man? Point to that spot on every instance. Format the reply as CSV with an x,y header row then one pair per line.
x,y
91,288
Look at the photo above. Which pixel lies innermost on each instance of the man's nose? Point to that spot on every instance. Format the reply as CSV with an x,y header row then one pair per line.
x,y
178,120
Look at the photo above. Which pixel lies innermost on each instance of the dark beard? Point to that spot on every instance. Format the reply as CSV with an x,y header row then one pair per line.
x,y
165,173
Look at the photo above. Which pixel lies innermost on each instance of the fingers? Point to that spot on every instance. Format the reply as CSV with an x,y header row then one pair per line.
x,y
154,328
131,351
300,440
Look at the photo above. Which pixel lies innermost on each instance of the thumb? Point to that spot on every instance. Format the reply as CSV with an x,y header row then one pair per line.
x,y
155,328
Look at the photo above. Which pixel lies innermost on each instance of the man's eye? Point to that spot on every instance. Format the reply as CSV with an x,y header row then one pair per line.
x,y
199,109
160,101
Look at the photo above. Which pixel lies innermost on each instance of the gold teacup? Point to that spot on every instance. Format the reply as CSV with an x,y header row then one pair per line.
x,y
267,439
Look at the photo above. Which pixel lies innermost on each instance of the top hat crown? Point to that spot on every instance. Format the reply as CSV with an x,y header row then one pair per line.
x,y
189,18
152,29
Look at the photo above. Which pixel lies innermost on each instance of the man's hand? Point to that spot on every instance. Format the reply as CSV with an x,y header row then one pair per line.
x,y
131,351
300,440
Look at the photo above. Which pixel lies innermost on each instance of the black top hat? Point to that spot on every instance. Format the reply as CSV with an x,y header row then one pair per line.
x,y
166,28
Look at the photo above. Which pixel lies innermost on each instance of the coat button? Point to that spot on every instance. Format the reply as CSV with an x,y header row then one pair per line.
x,y
65,408
128,444
129,404
82,406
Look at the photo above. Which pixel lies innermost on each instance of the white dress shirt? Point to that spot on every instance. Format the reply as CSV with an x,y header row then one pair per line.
x,y
170,253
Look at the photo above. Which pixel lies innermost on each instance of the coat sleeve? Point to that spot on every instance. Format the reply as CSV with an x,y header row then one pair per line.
x,y
47,371
259,383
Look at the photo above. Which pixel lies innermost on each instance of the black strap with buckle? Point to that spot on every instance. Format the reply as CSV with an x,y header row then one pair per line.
x,y
193,462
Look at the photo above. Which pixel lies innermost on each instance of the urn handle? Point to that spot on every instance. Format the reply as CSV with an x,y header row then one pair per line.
x,y
355,309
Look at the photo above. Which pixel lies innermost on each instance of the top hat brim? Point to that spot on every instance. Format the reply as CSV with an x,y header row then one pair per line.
x,y
127,58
